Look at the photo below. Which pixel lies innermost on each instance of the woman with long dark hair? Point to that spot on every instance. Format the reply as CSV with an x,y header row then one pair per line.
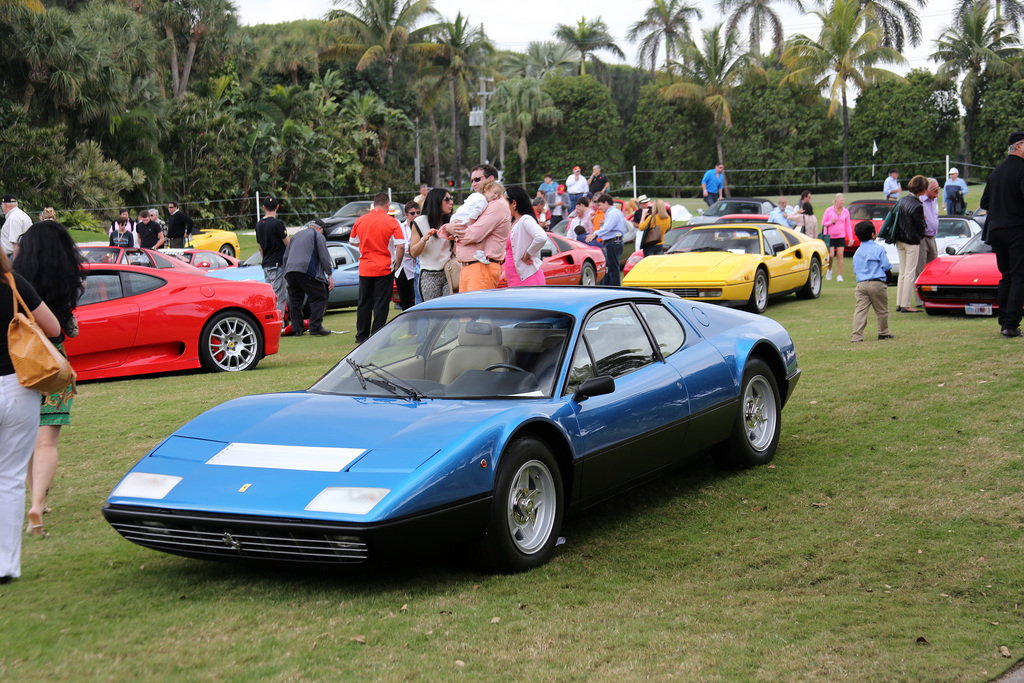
x,y
19,420
51,263
433,250
525,239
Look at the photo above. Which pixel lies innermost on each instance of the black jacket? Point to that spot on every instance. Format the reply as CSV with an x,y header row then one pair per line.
x,y
1003,197
910,225
179,225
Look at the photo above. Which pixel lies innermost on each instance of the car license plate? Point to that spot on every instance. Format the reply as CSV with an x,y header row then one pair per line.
x,y
978,309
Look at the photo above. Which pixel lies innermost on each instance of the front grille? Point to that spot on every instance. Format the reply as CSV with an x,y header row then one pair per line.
x,y
227,541
690,293
970,294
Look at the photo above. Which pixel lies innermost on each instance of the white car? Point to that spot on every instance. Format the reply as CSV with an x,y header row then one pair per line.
x,y
954,231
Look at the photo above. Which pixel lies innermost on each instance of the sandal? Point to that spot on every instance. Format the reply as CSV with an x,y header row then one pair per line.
x,y
35,529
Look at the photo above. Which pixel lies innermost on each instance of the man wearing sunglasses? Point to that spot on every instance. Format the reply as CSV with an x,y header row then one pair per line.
x,y
487,233
405,277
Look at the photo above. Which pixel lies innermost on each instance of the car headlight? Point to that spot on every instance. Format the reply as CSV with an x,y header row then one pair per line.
x,y
146,485
347,500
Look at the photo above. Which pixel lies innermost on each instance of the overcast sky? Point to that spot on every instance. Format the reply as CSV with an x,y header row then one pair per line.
x,y
513,25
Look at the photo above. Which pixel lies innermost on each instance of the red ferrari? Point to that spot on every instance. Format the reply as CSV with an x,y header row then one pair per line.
x,y
134,320
204,259
967,282
137,257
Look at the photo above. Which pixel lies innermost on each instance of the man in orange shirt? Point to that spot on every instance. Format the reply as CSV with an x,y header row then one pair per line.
x,y
372,233
487,233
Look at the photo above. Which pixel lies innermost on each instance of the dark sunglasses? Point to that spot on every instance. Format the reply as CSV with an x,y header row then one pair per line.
x,y
477,180
449,199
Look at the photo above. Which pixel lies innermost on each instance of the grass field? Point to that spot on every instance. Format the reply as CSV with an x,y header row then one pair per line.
x,y
884,543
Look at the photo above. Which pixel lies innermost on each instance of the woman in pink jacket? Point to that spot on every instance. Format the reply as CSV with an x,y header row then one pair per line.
x,y
838,230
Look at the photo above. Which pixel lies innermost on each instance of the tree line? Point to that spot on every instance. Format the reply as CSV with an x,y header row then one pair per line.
x,y
111,103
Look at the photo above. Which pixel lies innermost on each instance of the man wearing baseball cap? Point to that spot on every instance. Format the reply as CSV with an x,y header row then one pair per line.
x,y
309,274
272,239
1003,198
575,186
16,222
953,193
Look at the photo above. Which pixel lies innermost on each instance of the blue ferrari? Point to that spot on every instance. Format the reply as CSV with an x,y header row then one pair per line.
x,y
479,418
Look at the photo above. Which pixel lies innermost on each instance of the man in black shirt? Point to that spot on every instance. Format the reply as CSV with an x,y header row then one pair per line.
x,y
598,182
178,226
151,234
272,239
1004,231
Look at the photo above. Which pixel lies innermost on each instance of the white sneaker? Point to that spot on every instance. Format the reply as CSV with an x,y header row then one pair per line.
x,y
839,278
828,274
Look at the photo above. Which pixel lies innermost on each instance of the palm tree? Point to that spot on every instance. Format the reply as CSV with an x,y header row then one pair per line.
x,y
846,54
761,17
976,50
898,20
517,106
540,61
1011,12
587,37
383,31
708,75
463,54
665,21
190,25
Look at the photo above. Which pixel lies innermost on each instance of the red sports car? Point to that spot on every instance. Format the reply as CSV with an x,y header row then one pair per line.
x,y
137,257
967,282
135,320
204,259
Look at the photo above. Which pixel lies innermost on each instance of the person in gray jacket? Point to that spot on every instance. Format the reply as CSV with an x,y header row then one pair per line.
x,y
309,272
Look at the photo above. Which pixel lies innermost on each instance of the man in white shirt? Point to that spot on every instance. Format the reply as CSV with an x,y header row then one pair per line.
x,y
779,215
16,222
575,186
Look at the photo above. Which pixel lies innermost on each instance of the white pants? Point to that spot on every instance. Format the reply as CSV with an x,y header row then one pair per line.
x,y
19,423
905,297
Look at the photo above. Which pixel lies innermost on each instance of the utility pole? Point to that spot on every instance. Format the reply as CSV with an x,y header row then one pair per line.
x,y
483,117
416,173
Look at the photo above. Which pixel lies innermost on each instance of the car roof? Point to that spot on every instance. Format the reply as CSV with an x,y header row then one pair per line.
x,y
886,202
743,199
565,299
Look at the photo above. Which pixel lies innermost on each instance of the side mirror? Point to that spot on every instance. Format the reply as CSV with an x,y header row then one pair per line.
x,y
546,253
779,246
951,250
595,386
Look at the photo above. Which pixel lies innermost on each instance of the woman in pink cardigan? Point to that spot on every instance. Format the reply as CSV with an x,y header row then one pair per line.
x,y
838,230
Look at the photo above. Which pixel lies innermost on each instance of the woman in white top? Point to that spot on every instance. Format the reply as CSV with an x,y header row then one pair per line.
x,y
805,221
522,253
431,249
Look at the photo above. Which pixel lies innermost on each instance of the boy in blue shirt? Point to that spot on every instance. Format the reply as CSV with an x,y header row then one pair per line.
x,y
870,266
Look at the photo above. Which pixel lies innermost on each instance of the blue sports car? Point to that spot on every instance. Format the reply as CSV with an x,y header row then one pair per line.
x,y
346,273
474,418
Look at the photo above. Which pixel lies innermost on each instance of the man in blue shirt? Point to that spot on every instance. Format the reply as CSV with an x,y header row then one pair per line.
x,y
891,187
548,185
871,266
955,203
711,183
612,229
779,215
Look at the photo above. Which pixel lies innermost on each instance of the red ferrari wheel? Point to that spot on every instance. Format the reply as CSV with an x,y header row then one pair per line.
x,y
230,342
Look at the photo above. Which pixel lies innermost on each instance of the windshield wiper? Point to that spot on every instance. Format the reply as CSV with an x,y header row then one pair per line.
x,y
384,379
694,251
358,371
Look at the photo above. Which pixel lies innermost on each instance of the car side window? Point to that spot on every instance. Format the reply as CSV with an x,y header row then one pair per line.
x,y
100,287
581,370
339,255
667,331
618,341
774,242
160,261
139,283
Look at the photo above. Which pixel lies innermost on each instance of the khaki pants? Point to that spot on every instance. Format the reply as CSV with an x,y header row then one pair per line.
x,y
905,297
870,294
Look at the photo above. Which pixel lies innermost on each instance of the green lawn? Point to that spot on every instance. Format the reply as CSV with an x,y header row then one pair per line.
x,y
884,543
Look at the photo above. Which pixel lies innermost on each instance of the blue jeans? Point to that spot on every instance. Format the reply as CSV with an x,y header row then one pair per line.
x,y
711,198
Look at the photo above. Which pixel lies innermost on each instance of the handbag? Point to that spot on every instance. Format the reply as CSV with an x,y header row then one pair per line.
x,y
652,232
452,272
37,362
888,230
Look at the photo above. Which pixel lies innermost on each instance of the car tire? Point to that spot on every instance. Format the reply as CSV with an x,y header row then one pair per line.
x,y
759,293
758,423
526,513
230,342
812,289
227,250
588,275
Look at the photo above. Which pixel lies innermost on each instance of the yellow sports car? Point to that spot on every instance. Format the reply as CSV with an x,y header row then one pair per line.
x,y
736,265
215,240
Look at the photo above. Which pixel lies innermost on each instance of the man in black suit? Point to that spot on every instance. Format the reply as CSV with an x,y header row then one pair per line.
x,y
178,226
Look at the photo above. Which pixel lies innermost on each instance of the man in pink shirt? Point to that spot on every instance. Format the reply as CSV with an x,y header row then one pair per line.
x,y
487,233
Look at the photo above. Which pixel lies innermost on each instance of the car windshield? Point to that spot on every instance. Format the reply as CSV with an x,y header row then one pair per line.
x,y
975,246
255,260
357,209
733,240
456,354
868,212
722,208
954,227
